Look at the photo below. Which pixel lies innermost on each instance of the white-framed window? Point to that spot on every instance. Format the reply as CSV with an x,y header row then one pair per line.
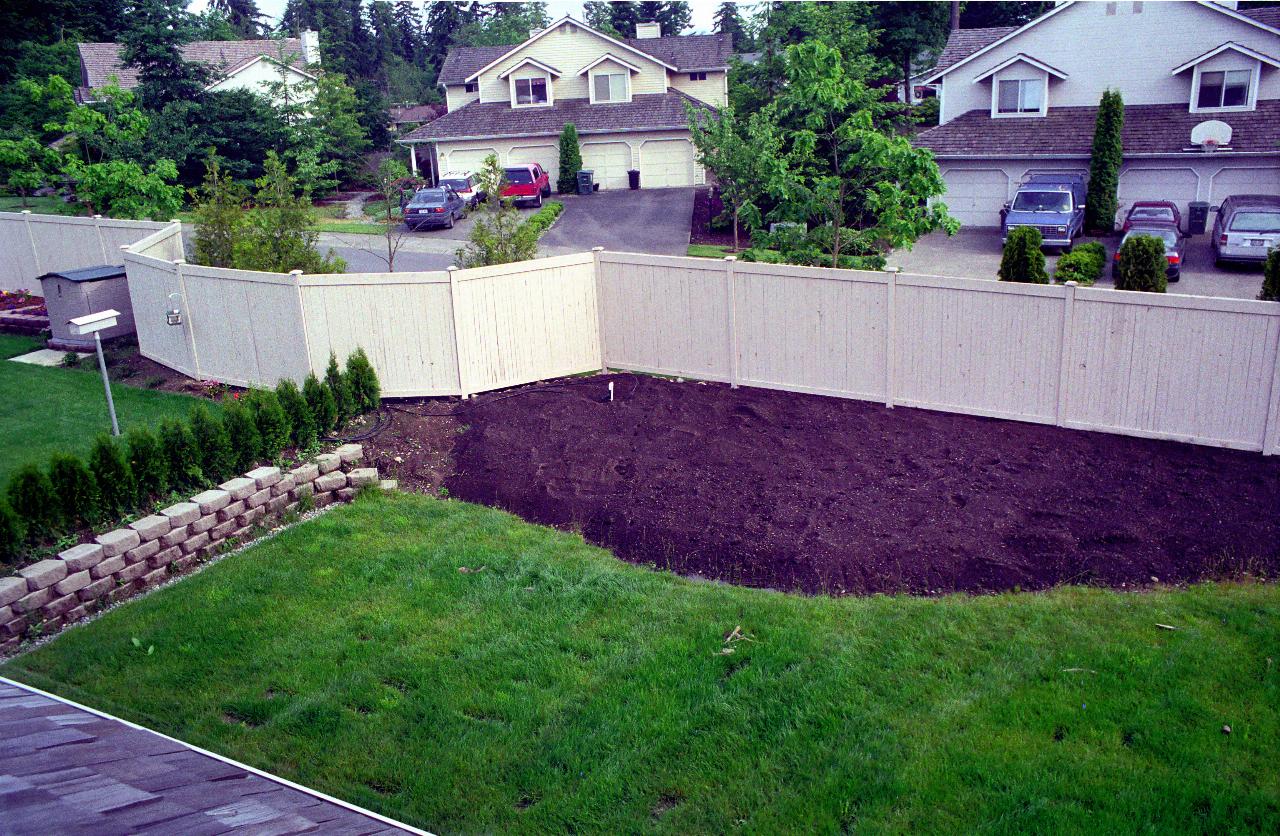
x,y
697,76
532,92
471,87
609,87
1019,96
1216,89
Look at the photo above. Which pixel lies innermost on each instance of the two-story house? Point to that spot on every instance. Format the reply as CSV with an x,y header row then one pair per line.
x,y
626,97
233,65
1021,99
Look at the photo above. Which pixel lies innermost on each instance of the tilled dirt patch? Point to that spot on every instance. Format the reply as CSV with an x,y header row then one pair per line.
x,y
802,492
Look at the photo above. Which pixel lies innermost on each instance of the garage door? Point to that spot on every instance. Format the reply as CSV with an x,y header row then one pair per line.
x,y
975,197
465,159
609,161
547,156
1255,180
1176,184
667,162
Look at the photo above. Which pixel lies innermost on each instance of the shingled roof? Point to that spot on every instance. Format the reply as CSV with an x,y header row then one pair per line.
x,y
492,120
100,61
964,42
1068,131
1268,15
684,52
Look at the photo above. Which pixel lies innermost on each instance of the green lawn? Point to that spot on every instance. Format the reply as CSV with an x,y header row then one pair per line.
x,y
556,689
44,410
39,205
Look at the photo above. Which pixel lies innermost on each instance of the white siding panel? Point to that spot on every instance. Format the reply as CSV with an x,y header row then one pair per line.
x,y
151,281
667,163
975,197
609,161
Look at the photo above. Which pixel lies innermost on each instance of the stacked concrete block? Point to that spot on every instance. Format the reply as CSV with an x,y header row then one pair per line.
x,y
123,562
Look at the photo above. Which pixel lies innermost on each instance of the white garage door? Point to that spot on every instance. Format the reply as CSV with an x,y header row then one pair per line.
x,y
975,197
1176,184
464,159
667,162
547,156
1256,180
609,161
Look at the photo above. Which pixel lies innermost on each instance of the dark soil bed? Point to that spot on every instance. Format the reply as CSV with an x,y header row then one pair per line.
x,y
818,494
707,206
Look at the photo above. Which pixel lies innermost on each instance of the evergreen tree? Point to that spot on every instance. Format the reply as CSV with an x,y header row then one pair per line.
x,y
673,17
181,454
302,423
728,21
115,479
1104,164
570,160
76,489
213,445
149,464
12,534
1142,265
1271,278
1022,259
320,400
246,442
616,18
409,24
242,15
30,493
336,382
908,29
152,44
219,216
272,422
366,392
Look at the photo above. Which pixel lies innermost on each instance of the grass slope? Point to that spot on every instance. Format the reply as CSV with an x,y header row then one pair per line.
x,y
557,689
44,410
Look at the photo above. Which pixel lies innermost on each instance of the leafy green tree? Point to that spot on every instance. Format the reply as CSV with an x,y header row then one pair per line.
x,y
115,479
334,127
1022,259
246,441
499,24
321,402
220,219
181,455
745,156
281,234
113,128
499,235
302,424
39,97
241,125
340,388
1104,164
149,464
908,29
570,160
728,21
1142,265
122,189
152,43
76,490
391,181
12,534
1271,278
366,392
30,493
213,444
26,164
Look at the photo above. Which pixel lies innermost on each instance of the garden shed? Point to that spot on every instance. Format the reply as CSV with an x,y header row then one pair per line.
x,y
72,293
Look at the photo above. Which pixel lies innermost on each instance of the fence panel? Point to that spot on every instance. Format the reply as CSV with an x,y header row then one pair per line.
x,y
517,323
979,347
151,280
18,268
402,320
666,315
33,245
1180,367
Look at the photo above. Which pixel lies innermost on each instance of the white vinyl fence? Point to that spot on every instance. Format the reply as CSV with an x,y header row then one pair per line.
x,y
32,245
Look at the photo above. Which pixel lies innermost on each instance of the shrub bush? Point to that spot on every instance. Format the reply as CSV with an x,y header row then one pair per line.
x,y
1023,260
213,445
570,160
115,480
149,463
1104,164
242,432
181,454
30,494
540,221
302,425
1084,264
366,392
12,534
320,400
1271,278
1142,265
273,424
76,490
344,408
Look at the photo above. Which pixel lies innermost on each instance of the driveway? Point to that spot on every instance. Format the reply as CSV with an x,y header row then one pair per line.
x,y
975,253
654,221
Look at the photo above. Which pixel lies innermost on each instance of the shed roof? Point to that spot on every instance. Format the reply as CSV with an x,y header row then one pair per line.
x,y
89,274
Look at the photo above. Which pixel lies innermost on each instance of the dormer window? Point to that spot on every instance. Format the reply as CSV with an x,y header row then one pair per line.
x,y
531,92
473,87
1020,96
609,87
697,76
1223,88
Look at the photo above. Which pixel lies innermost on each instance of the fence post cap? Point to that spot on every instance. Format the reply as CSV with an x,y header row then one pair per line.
x,y
295,272
731,258
97,217
1072,283
125,247
26,211
175,220
179,261
597,249
451,267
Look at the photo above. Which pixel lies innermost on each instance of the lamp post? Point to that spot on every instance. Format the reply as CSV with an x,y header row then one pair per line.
x,y
96,323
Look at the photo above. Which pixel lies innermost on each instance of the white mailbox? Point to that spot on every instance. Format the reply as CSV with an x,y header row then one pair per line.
x,y
93,323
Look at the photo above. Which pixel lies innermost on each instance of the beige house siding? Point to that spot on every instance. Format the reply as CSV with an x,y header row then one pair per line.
x,y
714,91
455,96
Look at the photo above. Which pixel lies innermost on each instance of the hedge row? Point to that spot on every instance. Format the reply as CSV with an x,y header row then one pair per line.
x,y
542,220
1084,264
122,476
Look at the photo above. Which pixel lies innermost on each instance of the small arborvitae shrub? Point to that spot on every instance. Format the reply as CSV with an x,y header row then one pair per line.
x,y
1023,260
366,392
1085,264
272,422
301,423
341,390
320,399
76,488
12,534
31,495
1142,265
180,452
149,464
246,442
1271,278
570,160
213,445
115,480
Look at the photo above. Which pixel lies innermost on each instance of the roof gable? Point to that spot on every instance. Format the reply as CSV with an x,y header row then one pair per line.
x,y
562,22
100,61
1232,46
530,62
1021,58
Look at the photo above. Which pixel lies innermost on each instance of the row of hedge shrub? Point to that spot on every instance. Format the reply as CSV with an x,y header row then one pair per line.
x,y
124,475
1142,262
542,220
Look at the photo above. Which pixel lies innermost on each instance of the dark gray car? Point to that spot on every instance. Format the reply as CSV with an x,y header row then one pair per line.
x,y
434,207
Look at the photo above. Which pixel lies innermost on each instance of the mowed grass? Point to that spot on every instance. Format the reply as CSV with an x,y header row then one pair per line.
x,y
556,689
46,410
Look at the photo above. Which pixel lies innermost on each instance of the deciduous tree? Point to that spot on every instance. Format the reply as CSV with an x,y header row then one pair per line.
x,y
744,154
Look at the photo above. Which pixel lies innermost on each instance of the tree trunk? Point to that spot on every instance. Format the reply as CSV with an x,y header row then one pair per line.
x,y
908,95
955,15
735,228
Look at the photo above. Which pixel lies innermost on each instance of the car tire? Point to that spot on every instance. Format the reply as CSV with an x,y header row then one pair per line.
x,y
1175,277
449,223
537,201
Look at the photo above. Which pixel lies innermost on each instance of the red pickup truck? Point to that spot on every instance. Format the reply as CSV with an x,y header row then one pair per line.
x,y
527,183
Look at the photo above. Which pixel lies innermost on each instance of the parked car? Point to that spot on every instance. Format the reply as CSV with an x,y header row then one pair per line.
x,y
527,183
1144,212
1052,203
466,185
439,206
1247,228
1173,247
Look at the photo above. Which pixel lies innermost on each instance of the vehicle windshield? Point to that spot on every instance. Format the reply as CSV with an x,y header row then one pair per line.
x,y
428,197
1258,221
519,176
1042,202
457,184
1151,213
1169,237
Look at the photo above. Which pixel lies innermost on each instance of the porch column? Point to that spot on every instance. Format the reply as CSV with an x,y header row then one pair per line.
x,y
413,158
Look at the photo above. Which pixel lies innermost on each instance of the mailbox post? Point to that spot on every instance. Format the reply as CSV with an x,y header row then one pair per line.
x,y
95,323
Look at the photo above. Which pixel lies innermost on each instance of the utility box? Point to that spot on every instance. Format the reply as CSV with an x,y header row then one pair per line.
x,y
585,178
1197,217
73,293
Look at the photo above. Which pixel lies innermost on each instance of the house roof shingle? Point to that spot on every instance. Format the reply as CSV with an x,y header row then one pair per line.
x,y
964,42
1269,15
684,52
1068,131
100,61
491,120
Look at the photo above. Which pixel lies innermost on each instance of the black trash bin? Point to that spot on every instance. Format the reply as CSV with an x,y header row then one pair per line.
x,y
633,176
584,181
1197,217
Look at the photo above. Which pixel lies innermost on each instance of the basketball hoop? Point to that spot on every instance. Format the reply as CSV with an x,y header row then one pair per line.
x,y
1211,135
1210,145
